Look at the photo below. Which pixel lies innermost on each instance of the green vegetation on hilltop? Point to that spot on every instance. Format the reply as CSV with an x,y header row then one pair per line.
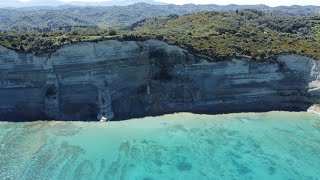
x,y
245,33
31,18
42,42
212,35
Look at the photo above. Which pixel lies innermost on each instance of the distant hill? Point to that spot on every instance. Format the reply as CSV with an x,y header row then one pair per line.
x,y
49,17
55,3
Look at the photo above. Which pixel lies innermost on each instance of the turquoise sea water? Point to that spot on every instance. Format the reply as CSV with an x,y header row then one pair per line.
x,y
275,145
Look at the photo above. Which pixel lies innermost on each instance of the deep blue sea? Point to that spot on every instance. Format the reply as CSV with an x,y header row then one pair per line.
x,y
257,146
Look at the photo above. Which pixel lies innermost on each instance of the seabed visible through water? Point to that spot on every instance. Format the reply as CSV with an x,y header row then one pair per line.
x,y
274,145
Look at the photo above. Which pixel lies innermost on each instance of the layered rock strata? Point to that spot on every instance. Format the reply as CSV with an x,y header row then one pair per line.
x,y
119,80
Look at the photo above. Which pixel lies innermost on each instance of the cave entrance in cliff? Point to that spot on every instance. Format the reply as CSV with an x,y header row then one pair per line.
x,y
79,102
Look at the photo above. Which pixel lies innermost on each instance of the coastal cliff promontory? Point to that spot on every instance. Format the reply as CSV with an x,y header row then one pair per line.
x,y
119,80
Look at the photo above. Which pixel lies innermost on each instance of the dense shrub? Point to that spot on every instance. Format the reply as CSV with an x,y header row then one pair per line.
x,y
212,35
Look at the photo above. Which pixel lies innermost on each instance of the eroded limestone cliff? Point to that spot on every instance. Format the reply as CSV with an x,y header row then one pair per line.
x,y
113,79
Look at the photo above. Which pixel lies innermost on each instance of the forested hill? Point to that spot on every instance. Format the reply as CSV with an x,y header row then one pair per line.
x,y
48,18
241,33
213,35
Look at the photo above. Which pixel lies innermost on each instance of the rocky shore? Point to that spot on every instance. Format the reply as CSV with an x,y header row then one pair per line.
x,y
315,109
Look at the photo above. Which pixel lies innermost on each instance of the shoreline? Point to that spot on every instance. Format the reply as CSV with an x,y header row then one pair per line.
x,y
315,110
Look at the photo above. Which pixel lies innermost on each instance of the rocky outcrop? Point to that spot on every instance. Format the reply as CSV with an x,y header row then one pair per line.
x,y
113,79
315,109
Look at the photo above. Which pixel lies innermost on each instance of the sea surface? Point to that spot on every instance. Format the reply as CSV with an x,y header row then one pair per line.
x,y
270,146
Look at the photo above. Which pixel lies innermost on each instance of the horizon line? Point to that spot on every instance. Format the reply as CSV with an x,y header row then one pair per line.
x,y
87,4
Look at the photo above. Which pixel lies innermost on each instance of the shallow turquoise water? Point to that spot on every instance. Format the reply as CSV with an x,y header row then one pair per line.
x,y
275,145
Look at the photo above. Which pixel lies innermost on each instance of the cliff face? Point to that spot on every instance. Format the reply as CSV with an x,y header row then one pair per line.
x,y
120,80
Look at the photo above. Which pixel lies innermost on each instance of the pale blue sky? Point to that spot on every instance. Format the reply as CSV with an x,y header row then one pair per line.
x,y
224,2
